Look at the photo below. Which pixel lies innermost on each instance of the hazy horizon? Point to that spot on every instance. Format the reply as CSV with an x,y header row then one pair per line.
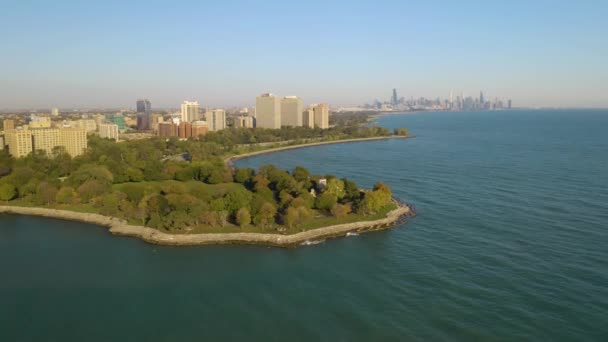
x,y
69,54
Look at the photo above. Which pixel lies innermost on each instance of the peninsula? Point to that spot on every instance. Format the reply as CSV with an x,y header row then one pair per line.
x,y
184,192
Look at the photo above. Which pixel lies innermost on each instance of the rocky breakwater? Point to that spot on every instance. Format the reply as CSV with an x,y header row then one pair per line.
x,y
120,227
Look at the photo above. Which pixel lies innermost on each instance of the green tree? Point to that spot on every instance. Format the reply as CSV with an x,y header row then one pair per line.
x,y
243,217
335,187
326,201
265,216
301,174
7,192
66,195
237,199
243,175
291,217
135,175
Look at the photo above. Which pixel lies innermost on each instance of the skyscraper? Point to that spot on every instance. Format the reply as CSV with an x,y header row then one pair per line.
x,y
55,111
268,111
291,111
190,111
144,112
394,99
308,118
481,99
321,112
216,119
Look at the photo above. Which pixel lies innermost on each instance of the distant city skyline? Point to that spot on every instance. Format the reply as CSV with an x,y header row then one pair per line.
x,y
90,55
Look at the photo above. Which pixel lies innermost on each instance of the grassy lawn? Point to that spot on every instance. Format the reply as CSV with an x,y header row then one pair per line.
x,y
191,186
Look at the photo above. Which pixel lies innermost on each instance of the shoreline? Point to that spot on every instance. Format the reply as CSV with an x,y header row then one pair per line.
x,y
230,159
120,227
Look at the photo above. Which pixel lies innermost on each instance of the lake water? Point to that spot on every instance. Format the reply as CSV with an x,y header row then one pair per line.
x,y
511,243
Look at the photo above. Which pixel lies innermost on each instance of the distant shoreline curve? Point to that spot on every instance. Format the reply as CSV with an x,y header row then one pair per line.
x,y
122,228
233,158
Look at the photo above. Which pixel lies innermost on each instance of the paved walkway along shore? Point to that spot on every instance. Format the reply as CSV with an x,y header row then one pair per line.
x,y
230,159
120,227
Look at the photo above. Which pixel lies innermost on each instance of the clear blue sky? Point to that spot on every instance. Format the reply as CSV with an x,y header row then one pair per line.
x,y
222,53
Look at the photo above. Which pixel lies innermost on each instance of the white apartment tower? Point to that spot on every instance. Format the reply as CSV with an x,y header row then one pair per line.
x,y
190,111
291,111
108,131
268,111
216,119
321,112
308,118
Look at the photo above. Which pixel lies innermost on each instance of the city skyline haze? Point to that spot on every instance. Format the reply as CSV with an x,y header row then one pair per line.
x,y
71,54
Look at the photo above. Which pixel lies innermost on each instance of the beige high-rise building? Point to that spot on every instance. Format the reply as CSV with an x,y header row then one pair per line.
x,y
216,119
190,111
55,111
74,140
291,111
8,124
308,118
19,142
99,119
45,139
268,111
108,131
243,121
155,120
321,112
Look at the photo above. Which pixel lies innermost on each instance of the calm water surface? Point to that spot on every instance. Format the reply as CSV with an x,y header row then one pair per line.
x,y
511,244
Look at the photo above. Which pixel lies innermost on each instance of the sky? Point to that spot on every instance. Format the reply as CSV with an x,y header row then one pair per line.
x,y
107,54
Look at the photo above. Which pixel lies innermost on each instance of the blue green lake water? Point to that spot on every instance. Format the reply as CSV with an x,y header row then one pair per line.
x,y
510,244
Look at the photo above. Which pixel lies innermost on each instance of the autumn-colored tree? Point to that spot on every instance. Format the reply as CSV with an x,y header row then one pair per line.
x,y
265,216
340,210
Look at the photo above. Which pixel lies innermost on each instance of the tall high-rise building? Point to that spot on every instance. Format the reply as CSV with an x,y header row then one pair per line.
x,y
394,99
74,140
23,141
55,111
291,111
144,112
45,139
190,111
19,142
8,124
308,118
321,112
509,104
108,131
481,99
268,111
216,119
